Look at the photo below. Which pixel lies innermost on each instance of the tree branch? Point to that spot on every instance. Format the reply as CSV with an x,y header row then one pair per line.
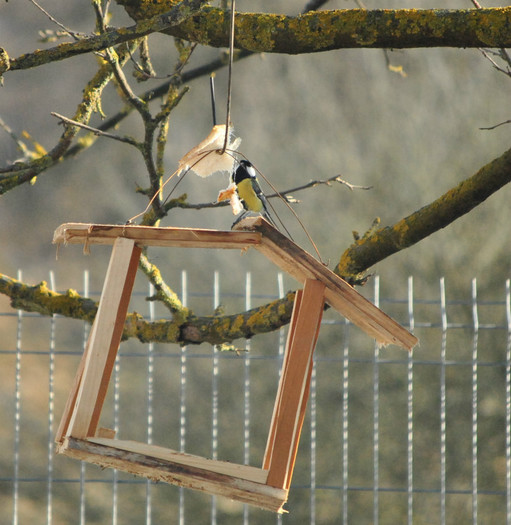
x,y
213,329
70,122
39,298
179,312
183,328
351,28
110,38
458,201
308,33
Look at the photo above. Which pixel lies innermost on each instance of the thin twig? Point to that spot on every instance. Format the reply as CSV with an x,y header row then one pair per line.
x,y
313,183
100,16
486,55
496,125
72,34
180,203
133,99
96,131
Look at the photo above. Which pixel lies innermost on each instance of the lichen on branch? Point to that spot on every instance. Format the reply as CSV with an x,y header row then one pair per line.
x,y
183,328
452,205
307,33
39,298
350,28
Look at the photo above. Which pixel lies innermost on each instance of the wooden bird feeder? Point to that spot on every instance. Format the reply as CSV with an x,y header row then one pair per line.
x,y
79,435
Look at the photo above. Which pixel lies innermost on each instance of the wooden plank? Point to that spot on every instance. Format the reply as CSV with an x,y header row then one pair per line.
x,y
104,338
247,472
78,233
270,444
338,294
141,461
295,382
71,399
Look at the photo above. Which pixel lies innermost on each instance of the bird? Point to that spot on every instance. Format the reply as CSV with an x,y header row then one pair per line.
x,y
249,192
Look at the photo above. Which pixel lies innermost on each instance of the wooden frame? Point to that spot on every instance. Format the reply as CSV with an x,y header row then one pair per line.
x,y
79,434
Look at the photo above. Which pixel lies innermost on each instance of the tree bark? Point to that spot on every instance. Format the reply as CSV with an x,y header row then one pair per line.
x,y
458,201
350,28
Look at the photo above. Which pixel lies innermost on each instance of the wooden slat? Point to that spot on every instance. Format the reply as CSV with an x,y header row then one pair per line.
x,y
247,472
78,233
161,464
71,399
294,389
104,339
338,294
270,444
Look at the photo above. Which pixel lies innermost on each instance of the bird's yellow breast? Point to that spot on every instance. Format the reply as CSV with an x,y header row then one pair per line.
x,y
247,194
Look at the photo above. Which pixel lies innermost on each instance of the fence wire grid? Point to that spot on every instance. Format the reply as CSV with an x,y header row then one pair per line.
x,y
389,437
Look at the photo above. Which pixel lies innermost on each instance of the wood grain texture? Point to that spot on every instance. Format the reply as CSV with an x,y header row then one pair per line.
x,y
237,482
87,234
293,391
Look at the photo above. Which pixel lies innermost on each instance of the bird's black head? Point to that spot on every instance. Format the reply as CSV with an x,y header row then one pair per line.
x,y
245,170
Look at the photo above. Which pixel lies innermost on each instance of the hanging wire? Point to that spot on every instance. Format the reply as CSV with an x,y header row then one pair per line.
x,y
229,79
213,98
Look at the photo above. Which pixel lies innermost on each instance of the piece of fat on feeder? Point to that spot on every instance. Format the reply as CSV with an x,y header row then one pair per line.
x,y
207,158
216,152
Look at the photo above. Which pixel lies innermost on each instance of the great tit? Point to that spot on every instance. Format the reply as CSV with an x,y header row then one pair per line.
x,y
249,192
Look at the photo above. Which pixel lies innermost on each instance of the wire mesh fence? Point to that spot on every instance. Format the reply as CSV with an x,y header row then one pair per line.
x,y
389,437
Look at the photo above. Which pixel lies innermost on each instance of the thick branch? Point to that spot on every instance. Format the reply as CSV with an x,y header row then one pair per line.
x,y
308,33
213,329
351,28
458,201
39,298
184,328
